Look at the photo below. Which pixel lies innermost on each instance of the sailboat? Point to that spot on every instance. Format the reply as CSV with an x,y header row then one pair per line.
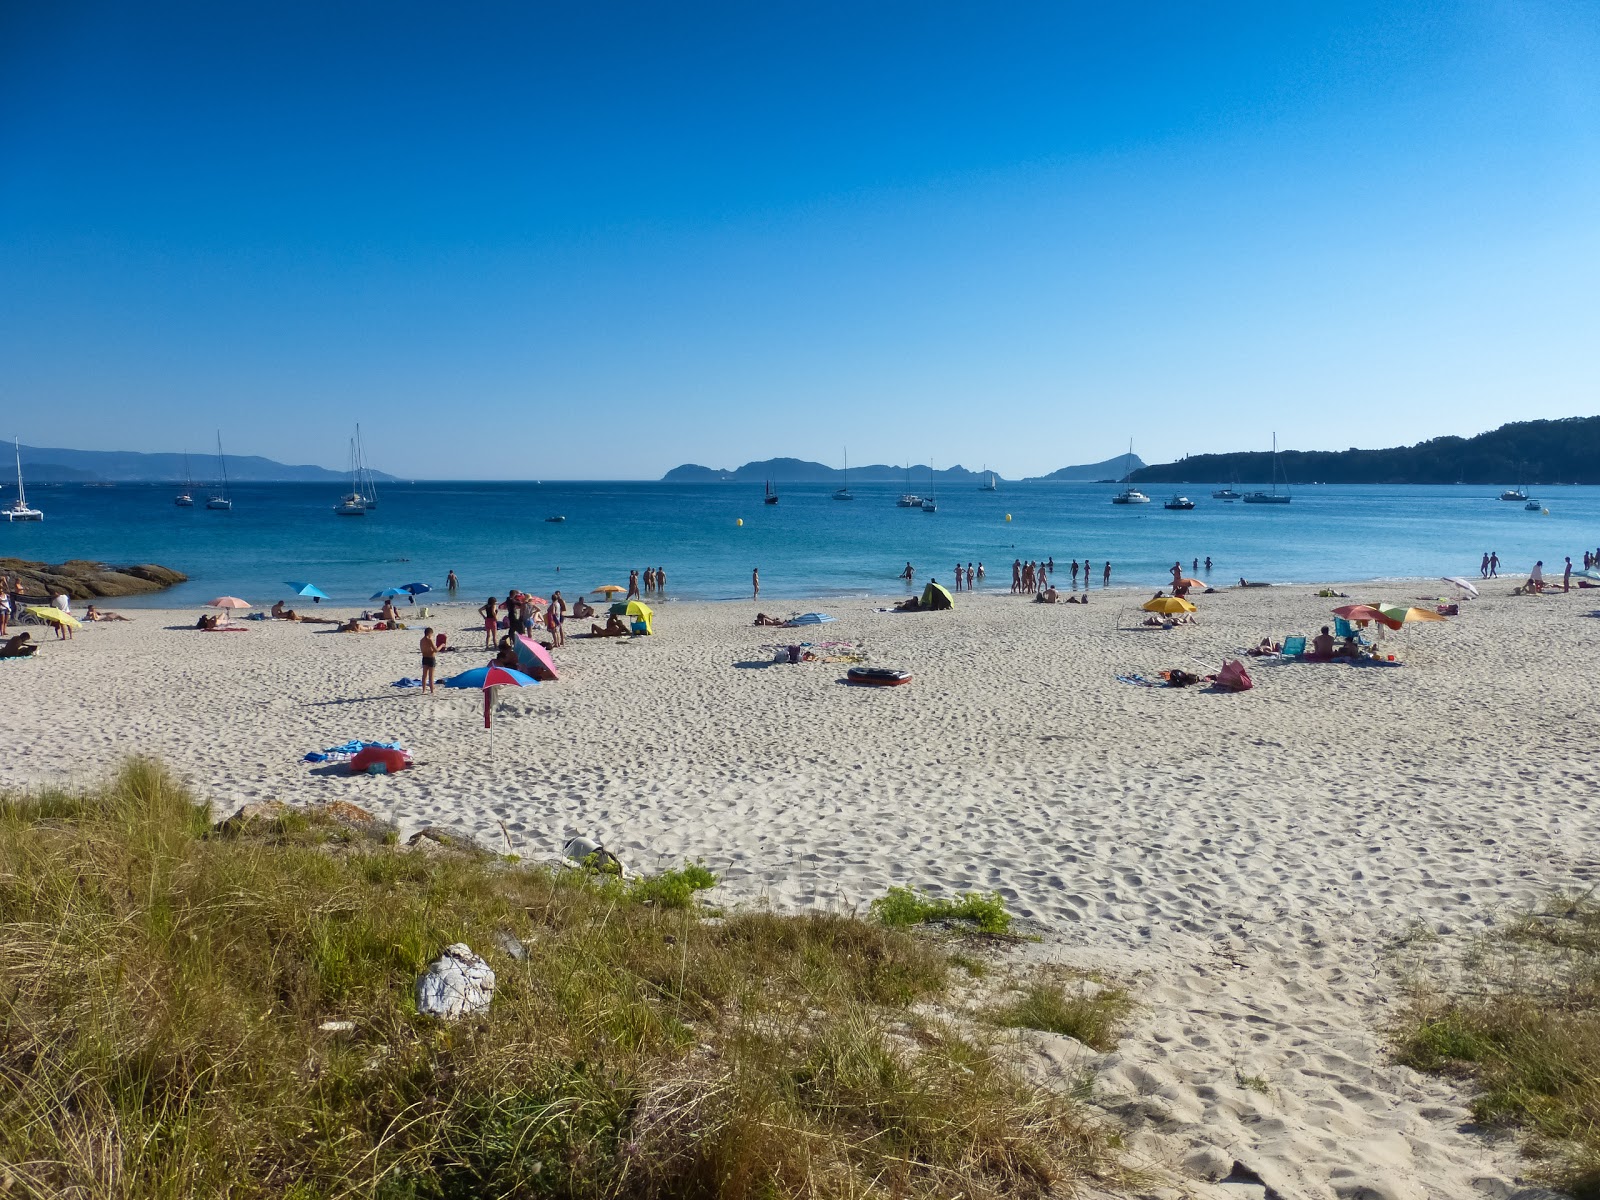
x,y
1130,495
353,504
19,510
185,498
908,499
843,493
771,497
219,500
365,486
1272,497
1229,493
989,484
929,503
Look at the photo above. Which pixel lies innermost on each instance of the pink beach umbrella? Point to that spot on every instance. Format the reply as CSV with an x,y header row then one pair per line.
x,y
228,602
533,658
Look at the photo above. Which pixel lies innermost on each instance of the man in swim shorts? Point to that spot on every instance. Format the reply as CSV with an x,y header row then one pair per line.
x,y
429,652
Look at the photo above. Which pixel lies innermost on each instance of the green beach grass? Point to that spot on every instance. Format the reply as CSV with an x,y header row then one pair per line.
x,y
164,988
1524,1025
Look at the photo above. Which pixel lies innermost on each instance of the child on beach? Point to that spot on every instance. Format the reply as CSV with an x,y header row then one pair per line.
x,y
429,652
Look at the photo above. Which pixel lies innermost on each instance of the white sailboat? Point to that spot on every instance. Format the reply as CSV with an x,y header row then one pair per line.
x,y
366,486
1130,495
19,510
1274,496
989,483
185,498
353,503
843,493
220,499
931,503
909,499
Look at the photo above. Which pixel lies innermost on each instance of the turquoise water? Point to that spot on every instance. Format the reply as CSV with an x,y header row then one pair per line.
x,y
495,536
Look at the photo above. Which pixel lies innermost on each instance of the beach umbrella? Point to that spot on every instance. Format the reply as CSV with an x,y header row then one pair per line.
x,y
489,678
228,602
609,589
1168,604
416,589
389,593
54,616
307,589
1399,614
636,610
1461,583
535,659
1194,583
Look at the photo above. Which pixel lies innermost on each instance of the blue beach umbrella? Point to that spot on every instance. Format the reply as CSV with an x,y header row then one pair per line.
x,y
307,589
387,592
416,589
490,676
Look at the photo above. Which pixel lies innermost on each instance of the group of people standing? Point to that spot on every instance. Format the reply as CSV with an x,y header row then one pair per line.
x,y
1034,577
525,613
654,582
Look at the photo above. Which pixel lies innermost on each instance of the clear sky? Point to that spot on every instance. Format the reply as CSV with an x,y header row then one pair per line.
x,y
597,240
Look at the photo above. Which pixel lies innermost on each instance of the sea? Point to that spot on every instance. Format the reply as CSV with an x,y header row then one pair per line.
x,y
709,537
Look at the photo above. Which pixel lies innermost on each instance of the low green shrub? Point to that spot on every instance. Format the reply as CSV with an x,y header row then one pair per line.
x,y
903,907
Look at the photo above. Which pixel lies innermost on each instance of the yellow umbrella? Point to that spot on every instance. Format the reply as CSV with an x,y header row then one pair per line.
x,y
1403,613
1168,604
634,608
610,589
55,616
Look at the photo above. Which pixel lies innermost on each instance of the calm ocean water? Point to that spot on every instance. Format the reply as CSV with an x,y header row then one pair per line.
x,y
495,536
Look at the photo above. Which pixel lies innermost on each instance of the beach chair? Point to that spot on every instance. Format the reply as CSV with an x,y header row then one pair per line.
x,y
1349,629
1294,646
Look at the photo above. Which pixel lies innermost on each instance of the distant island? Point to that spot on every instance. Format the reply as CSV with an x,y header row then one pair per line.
x,y
799,470
1530,452
41,464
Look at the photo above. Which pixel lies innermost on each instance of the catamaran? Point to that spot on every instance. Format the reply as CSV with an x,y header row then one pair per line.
x,y
19,510
1272,497
219,499
353,503
843,493
185,498
1130,495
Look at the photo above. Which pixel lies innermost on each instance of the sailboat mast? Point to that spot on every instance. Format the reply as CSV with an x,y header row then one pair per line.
x,y
22,496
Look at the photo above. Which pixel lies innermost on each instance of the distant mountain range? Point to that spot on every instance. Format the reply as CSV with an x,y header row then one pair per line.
x,y
42,464
798,470
1530,452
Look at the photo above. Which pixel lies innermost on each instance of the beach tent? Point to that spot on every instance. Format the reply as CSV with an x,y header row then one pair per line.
x,y
1233,677
533,658
637,612
936,596
812,618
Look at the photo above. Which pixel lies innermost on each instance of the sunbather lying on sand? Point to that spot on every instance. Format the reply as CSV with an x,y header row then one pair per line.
x,y
94,614
614,628
209,621
353,626
1266,647
763,619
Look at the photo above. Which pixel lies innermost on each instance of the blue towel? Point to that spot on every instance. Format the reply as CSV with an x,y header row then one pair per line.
x,y
407,682
348,749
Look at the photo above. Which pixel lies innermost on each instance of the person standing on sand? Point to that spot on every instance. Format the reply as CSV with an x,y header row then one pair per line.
x,y
1016,576
1105,579
1494,564
1566,576
755,582
429,658
1483,567
1177,575
490,613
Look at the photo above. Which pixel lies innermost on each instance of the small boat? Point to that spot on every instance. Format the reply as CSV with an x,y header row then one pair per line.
x,y
554,520
1130,495
1532,506
1516,493
185,498
929,505
771,497
1274,496
1226,493
219,500
843,493
19,510
1179,503
989,484
877,676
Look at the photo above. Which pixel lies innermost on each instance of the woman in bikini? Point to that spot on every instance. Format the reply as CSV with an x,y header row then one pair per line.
x,y
490,613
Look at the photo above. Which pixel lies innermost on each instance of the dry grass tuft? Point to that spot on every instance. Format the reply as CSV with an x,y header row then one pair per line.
x,y
1525,1027
162,987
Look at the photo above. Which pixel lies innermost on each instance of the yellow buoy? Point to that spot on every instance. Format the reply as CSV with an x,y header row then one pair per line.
x,y
1008,516
741,520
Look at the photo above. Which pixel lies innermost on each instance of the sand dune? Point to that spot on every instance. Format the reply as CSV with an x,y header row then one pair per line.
x,y
1251,863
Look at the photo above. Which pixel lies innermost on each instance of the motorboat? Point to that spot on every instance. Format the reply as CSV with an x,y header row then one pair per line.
x,y
1516,493
908,501
554,520
1532,506
19,510
1179,502
220,500
1274,496
1226,493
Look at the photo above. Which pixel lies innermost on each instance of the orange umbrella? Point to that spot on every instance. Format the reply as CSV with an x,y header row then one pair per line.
x,y
610,589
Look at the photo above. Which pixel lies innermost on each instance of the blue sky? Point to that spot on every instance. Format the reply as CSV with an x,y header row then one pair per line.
x,y
591,241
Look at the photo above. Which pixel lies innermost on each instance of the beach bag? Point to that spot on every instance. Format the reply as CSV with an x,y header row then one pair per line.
x,y
1233,677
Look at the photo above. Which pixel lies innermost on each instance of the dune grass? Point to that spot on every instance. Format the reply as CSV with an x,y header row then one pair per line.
x,y
1524,1025
1091,1015
903,907
163,987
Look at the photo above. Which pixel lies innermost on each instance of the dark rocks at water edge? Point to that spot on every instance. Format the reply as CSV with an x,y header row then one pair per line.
x,y
84,580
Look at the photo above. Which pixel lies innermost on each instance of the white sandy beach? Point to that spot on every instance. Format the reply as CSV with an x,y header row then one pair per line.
x,y
1250,863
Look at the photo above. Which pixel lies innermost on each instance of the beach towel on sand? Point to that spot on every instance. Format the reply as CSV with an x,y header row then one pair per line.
x,y
349,749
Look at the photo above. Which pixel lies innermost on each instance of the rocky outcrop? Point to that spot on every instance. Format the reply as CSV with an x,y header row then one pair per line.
x,y
85,580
